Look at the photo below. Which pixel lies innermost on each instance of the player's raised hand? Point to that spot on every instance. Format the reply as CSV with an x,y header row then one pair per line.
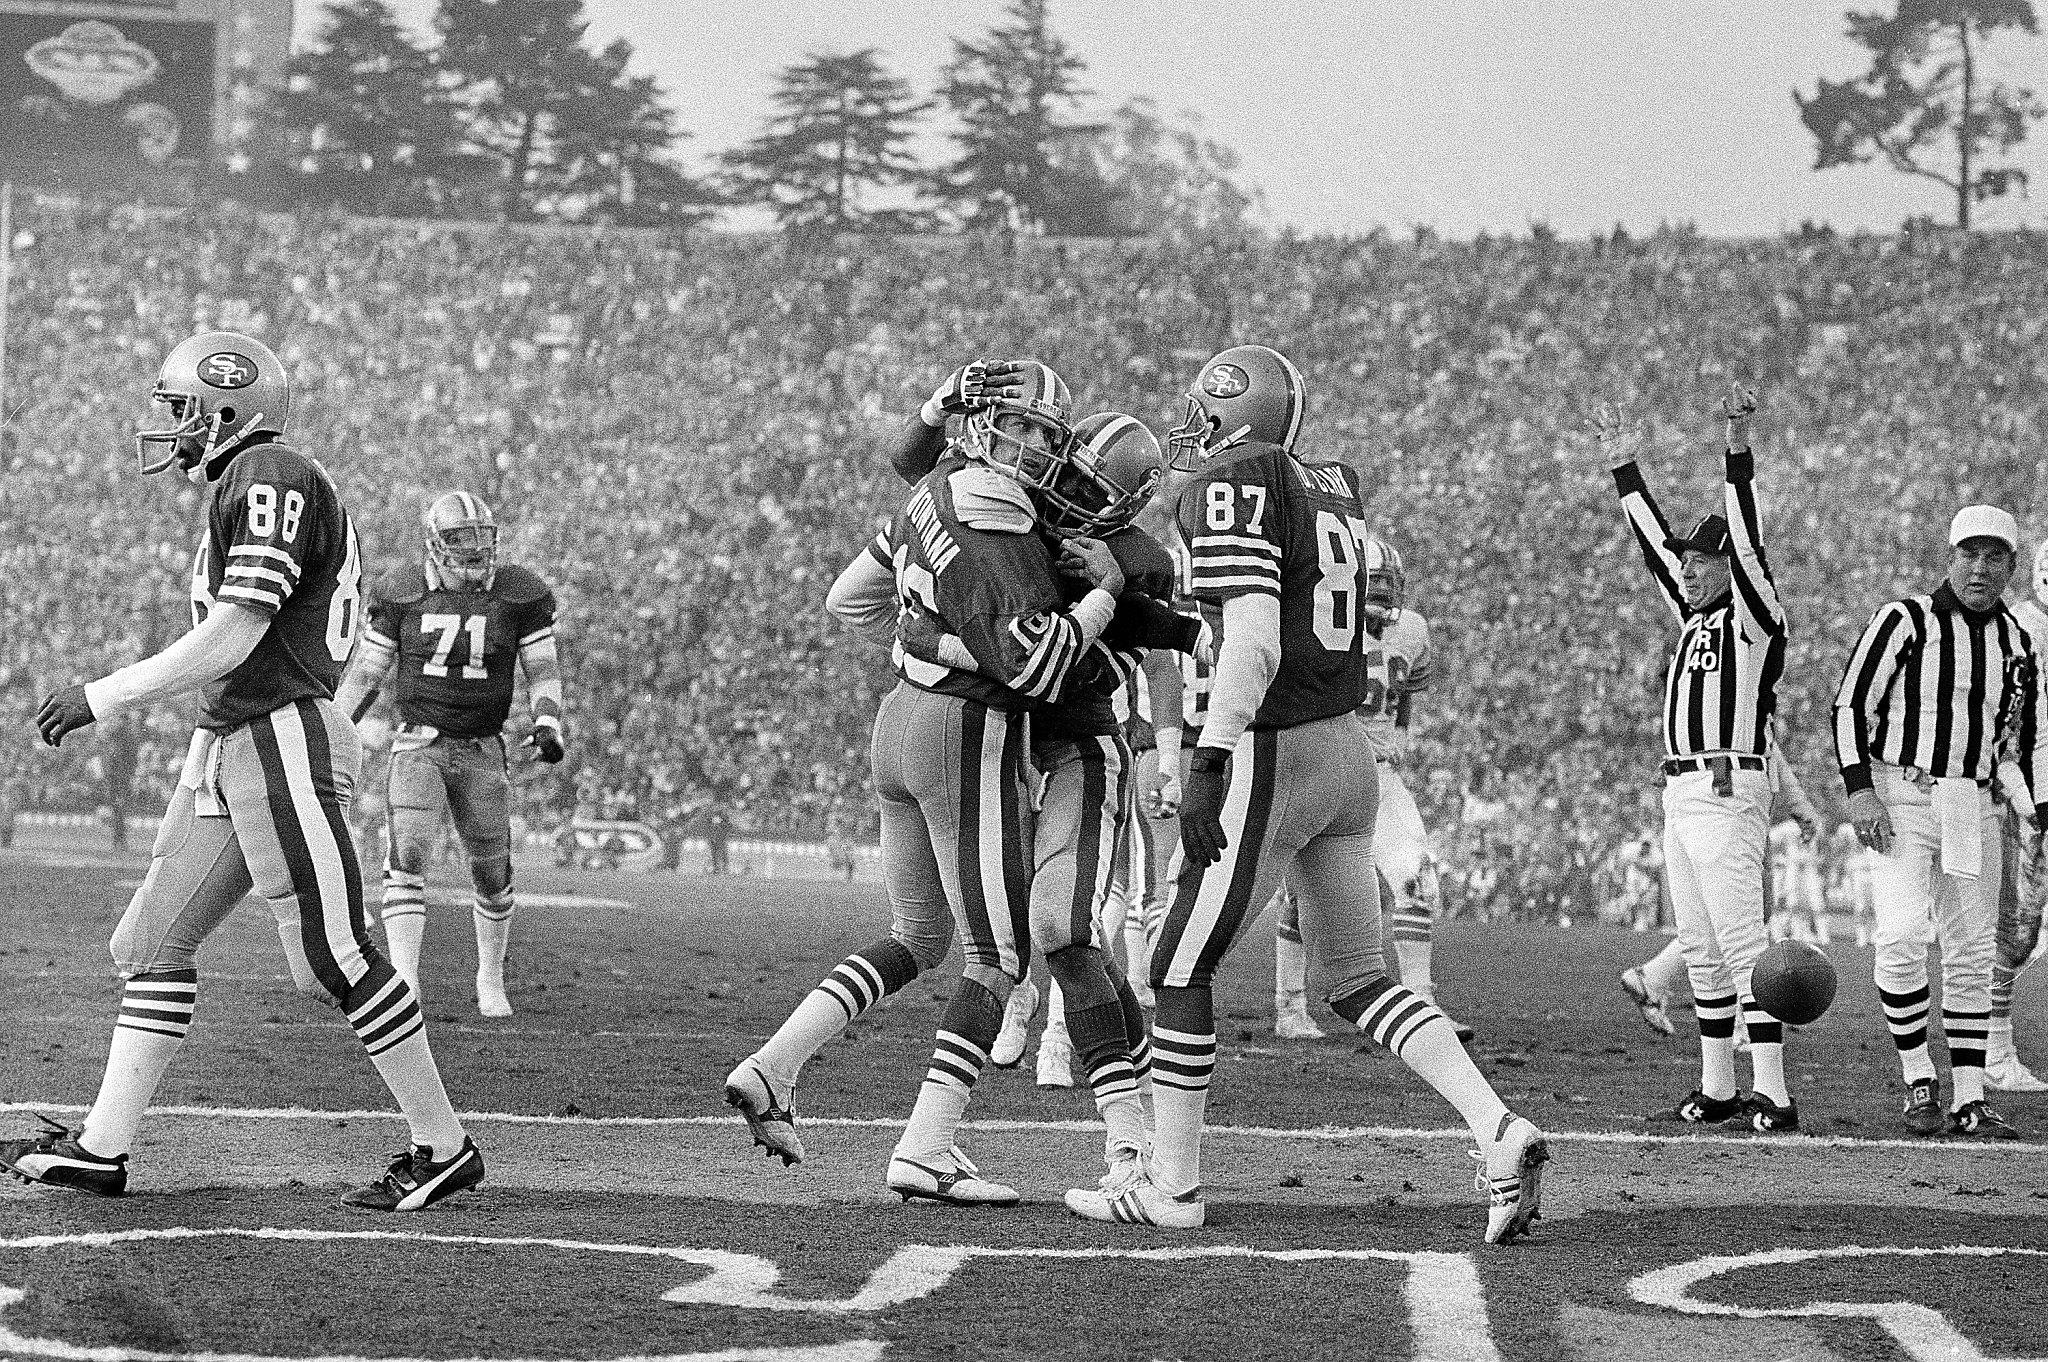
x,y
1737,407
973,386
546,742
63,712
1619,439
1091,561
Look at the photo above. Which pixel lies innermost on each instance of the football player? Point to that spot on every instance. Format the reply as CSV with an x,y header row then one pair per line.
x,y
451,626
263,799
949,759
1281,777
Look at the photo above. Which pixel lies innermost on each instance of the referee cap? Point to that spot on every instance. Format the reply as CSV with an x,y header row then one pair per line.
x,y
1989,522
1709,536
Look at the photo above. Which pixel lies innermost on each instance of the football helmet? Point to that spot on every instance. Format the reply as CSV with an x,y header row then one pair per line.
x,y
1022,432
213,392
1248,392
1386,582
462,539
2041,573
1107,473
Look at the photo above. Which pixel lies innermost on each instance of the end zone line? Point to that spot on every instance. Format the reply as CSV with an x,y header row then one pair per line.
x,y
1316,1135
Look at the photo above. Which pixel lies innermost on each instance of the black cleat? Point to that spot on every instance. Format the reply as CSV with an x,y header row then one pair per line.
x,y
1923,1108
55,1158
415,1181
1698,1109
1977,1121
1761,1116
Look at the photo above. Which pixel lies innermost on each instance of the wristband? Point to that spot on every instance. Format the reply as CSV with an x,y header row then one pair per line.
x,y
1208,759
932,414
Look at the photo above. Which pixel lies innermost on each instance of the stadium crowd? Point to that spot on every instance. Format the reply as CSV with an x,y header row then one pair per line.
x,y
682,435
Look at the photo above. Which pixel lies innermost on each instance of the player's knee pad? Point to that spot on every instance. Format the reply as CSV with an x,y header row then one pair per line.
x,y
1081,975
926,942
1900,972
491,871
412,850
975,1011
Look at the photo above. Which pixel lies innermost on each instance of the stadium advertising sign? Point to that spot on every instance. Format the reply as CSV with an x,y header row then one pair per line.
x,y
79,93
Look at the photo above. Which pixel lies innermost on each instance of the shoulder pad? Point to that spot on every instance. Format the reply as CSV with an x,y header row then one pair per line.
x,y
1252,452
402,585
517,584
986,500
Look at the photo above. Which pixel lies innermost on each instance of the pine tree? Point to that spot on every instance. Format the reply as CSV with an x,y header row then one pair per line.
x,y
841,130
366,118
613,147
1014,92
521,70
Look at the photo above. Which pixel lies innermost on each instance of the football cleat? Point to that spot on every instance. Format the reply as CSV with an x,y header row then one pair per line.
x,y
951,1178
1698,1109
1465,1033
1128,1197
1292,1022
1008,1049
54,1157
1923,1108
1055,1060
2003,1072
1762,1116
1977,1121
1512,1179
490,995
414,1181
772,1122
1656,1014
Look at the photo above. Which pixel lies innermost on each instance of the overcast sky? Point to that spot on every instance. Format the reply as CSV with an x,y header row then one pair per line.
x,y
1466,114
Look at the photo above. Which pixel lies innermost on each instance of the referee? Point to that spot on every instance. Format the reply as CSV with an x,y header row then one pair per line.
x,y
1936,685
1719,695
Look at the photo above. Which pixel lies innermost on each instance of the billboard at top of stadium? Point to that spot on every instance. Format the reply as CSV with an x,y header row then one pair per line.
x,y
134,86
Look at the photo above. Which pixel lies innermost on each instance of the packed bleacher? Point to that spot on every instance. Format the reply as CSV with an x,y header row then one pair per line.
x,y
682,437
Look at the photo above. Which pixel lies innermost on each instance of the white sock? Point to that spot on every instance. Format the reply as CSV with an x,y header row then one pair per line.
x,y
156,1012
1435,1054
408,1069
493,934
403,932
1717,1066
1665,970
1290,972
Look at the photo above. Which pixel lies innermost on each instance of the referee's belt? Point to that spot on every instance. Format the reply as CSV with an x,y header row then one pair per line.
x,y
1733,761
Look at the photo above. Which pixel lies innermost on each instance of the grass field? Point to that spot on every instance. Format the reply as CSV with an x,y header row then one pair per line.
x,y
626,1216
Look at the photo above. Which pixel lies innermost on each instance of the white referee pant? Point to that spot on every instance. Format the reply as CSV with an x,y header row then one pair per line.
x,y
1914,900
1714,850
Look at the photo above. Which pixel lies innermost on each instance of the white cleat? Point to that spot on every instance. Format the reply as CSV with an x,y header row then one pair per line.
x,y
768,1116
1127,1197
1656,1010
490,995
1292,1022
1055,1061
2003,1072
1008,1049
951,1178
1513,1179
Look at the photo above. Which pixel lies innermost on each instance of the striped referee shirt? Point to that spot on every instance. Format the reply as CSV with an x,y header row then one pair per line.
x,y
1941,689
1722,685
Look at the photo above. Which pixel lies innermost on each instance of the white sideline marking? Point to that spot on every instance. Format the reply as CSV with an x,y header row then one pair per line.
x,y
719,1261
1923,1334
1315,1135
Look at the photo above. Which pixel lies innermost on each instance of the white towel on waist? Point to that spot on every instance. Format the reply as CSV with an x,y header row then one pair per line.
x,y
1959,804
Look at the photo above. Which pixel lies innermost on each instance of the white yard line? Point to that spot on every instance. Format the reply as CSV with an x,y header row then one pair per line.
x,y
1316,1135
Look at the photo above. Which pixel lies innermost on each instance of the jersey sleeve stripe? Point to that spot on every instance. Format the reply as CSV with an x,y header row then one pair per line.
x,y
1213,585
540,635
258,574
261,551
1206,575
1235,541
268,600
1212,561
374,637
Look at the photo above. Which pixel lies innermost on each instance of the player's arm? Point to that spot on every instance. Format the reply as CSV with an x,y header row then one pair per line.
x,y
863,597
1162,675
1756,592
216,646
376,658
1620,442
1872,668
1413,684
1025,646
922,441
542,665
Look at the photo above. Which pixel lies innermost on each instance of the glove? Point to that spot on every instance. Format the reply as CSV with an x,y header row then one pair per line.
x,y
970,388
546,742
63,711
1201,811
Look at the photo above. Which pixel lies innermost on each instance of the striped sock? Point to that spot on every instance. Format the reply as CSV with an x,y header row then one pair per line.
x,y
1183,1061
385,1013
959,1053
1966,1033
385,1016
1388,1012
1717,1044
2002,979
1766,1051
156,1014
1098,1037
1905,1015
856,984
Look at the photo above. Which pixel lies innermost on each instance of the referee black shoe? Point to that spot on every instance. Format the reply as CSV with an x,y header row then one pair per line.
x,y
1761,1116
1701,1110
1923,1108
416,1180
54,1157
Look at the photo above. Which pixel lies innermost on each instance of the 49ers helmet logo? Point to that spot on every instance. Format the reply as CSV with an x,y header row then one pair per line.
x,y
1225,380
226,369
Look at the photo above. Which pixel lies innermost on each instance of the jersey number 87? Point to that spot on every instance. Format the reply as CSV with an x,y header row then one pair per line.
x,y
1340,552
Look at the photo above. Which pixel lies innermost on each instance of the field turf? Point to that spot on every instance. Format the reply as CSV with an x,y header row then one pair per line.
x,y
625,1214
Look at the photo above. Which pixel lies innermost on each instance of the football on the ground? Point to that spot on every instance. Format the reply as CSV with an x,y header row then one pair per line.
x,y
1795,982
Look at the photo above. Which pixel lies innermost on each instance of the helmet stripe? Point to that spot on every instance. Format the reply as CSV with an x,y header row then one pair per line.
x,y
1296,398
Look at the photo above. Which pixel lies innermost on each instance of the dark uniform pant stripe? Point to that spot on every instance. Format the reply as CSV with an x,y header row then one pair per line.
x,y
305,823
1211,902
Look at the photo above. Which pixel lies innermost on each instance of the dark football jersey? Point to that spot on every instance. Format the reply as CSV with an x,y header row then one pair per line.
x,y
995,591
278,541
1256,520
1098,699
457,647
